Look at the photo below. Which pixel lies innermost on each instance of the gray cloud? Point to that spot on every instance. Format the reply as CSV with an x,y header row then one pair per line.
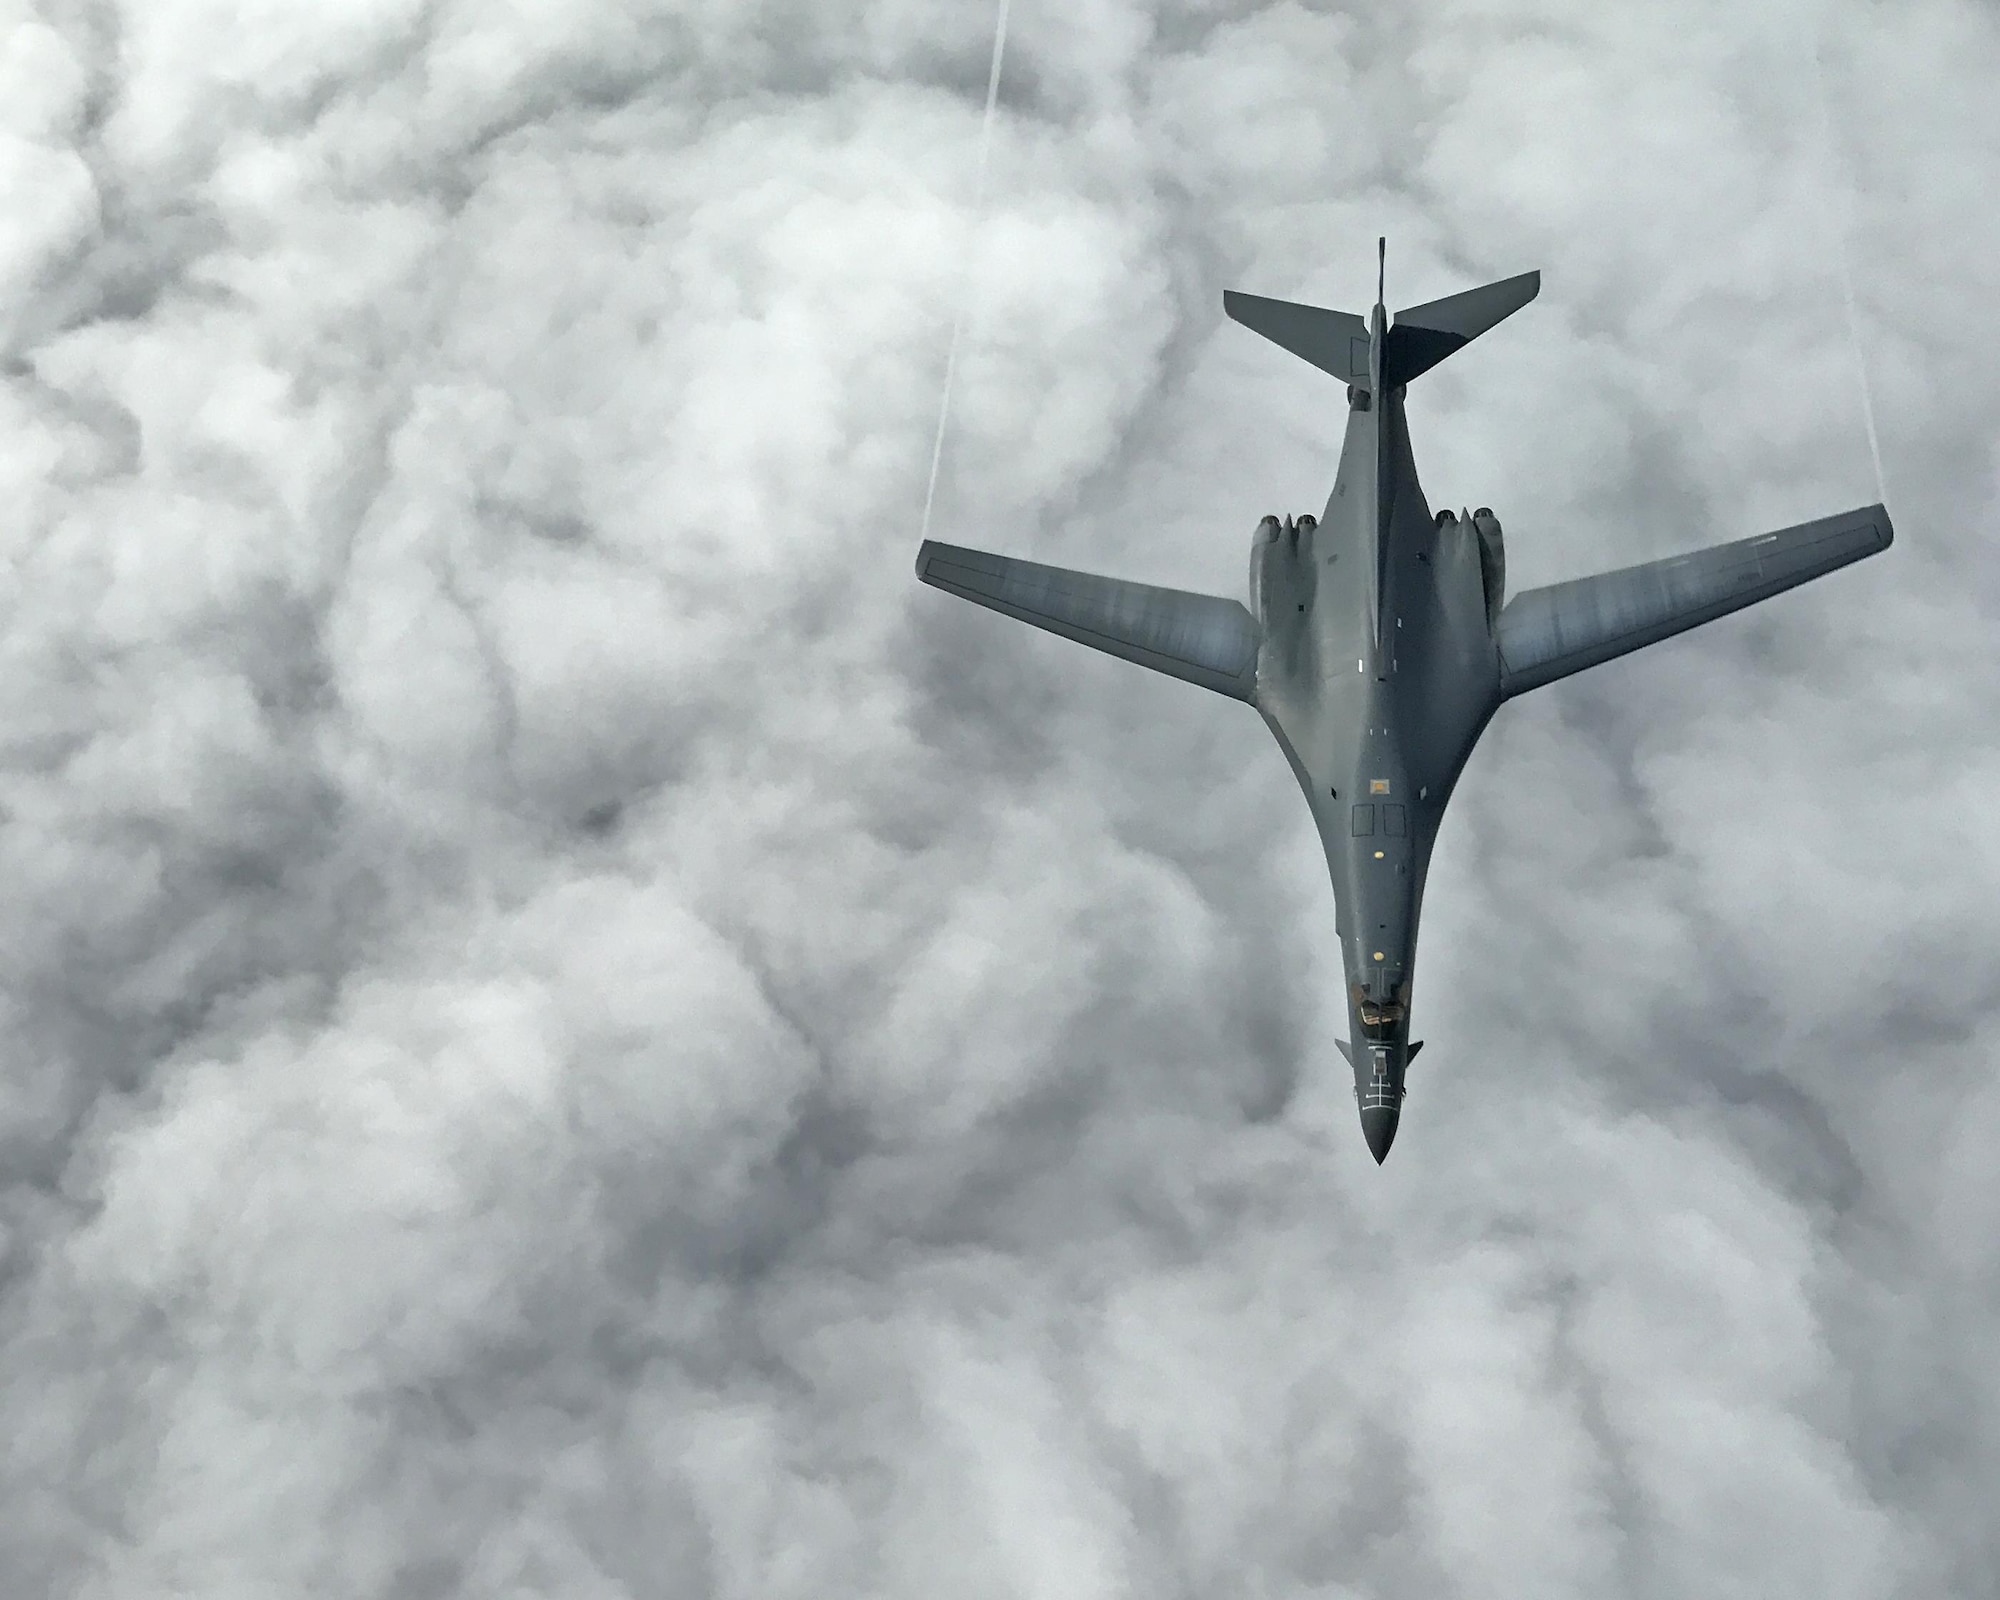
x,y
570,1030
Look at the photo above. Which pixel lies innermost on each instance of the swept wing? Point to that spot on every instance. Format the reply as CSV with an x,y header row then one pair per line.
x,y
1545,634
1200,638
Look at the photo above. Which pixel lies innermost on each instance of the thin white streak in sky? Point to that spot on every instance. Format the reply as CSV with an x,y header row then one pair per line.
x,y
964,291
1841,182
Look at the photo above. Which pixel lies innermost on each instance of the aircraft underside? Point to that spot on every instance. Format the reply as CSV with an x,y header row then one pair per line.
x,y
1379,640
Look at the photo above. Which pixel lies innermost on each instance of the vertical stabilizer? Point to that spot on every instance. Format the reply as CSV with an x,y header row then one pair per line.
x,y
1378,320
1378,382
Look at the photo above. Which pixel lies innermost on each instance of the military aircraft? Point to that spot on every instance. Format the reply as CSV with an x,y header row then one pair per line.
x,y
1379,639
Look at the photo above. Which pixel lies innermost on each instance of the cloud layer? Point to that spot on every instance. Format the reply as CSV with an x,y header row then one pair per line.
x,y
570,1030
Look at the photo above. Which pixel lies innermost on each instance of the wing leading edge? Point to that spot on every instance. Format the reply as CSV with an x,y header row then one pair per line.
x,y
1199,638
1546,634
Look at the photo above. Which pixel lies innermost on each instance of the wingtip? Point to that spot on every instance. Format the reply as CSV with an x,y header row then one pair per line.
x,y
1872,519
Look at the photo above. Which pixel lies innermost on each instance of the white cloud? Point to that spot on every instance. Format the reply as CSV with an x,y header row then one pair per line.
x,y
569,1029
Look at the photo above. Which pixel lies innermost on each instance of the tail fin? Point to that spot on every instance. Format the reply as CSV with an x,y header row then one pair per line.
x,y
1424,335
1421,337
1333,341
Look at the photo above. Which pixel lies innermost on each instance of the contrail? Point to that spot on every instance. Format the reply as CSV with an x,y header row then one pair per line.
x,y
1843,225
978,210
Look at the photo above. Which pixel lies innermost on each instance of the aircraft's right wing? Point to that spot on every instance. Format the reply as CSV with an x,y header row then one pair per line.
x,y
1198,637
1549,633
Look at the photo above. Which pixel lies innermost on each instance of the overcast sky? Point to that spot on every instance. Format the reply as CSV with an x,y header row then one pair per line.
x,y
570,1030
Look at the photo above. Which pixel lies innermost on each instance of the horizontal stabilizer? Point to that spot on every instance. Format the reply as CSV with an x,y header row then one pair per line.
x,y
1546,634
1424,335
1333,341
1201,638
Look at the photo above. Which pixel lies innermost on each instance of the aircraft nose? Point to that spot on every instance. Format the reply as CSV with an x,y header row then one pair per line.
x,y
1378,1127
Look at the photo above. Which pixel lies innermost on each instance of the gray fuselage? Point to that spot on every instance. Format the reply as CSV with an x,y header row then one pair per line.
x,y
1379,640
1377,672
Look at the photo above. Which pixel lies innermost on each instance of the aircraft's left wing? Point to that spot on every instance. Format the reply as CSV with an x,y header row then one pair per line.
x,y
1197,637
1549,633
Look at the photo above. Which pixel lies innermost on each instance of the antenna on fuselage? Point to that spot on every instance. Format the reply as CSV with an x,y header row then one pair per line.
x,y
1381,266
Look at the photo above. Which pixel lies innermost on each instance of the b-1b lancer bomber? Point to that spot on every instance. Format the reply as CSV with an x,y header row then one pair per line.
x,y
1379,640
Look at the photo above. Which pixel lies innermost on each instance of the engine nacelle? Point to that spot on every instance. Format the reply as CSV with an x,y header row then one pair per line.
x,y
1492,562
1268,533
